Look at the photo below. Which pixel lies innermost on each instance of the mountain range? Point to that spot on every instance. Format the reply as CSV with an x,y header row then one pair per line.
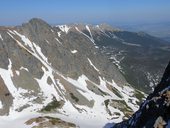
x,y
159,29
75,75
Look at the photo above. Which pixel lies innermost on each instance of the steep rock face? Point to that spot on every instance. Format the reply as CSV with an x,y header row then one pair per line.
x,y
155,110
59,71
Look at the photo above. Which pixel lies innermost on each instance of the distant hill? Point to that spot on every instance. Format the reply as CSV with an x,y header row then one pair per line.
x,y
161,30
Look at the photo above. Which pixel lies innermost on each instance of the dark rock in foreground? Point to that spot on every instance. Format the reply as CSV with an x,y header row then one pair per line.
x,y
155,110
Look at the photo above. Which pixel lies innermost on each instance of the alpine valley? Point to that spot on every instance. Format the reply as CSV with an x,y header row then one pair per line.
x,y
78,75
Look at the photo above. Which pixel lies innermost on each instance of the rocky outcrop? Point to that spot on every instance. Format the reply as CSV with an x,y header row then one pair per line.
x,y
49,122
155,110
5,98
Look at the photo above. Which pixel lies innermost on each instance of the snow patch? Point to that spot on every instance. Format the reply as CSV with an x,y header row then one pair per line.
x,y
17,93
25,40
74,51
128,90
19,122
52,30
10,68
17,72
91,39
10,35
153,79
40,54
131,44
58,40
117,60
90,114
59,34
1,105
80,83
11,32
102,31
48,90
97,47
22,68
87,27
47,41
1,37
64,28
127,94
93,65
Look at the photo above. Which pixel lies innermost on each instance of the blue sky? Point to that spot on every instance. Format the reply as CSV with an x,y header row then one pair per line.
x,y
14,12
